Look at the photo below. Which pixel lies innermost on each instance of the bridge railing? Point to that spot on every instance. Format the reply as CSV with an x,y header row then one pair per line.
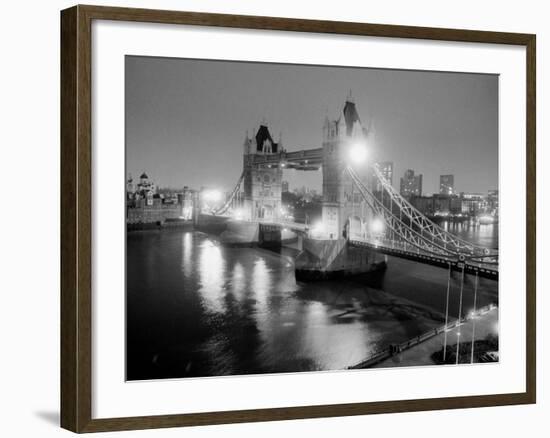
x,y
229,201
396,223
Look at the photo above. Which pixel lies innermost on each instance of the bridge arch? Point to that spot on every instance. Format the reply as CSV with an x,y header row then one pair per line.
x,y
355,227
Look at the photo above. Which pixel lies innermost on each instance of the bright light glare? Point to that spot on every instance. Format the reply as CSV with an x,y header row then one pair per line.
x,y
377,226
358,153
238,214
318,230
212,195
318,227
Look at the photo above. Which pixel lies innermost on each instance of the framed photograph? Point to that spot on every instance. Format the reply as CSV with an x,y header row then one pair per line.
x,y
270,218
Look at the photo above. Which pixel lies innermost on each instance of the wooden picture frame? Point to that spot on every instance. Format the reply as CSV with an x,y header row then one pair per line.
x,y
76,217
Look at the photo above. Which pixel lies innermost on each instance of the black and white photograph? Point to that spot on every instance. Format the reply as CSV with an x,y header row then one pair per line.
x,y
287,218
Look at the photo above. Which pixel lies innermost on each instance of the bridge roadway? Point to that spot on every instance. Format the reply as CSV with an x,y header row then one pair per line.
x,y
411,252
405,251
292,226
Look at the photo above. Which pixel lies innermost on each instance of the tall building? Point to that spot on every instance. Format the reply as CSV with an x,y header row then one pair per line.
x,y
411,184
447,185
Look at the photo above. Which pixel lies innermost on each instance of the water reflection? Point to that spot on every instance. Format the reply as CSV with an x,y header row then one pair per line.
x,y
187,246
483,235
195,308
238,281
211,274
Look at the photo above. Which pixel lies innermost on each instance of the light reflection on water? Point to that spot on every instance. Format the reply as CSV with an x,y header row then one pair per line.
x,y
238,281
483,235
211,275
196,308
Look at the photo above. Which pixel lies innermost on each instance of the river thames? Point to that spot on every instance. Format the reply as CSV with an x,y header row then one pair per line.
x,y
196,308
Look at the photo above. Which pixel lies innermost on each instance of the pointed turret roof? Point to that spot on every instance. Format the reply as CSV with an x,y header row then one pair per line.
x,y
262,135
350,116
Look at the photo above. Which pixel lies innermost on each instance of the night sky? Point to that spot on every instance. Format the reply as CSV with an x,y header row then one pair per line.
x,y
186,119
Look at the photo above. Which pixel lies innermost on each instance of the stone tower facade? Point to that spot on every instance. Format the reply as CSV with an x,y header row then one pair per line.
x,y
339,198
262,185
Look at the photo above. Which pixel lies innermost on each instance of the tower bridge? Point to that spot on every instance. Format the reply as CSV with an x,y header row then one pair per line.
x,y
363,217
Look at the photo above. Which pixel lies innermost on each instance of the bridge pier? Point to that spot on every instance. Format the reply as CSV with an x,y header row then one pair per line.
x,y
269,236
335,258
211,224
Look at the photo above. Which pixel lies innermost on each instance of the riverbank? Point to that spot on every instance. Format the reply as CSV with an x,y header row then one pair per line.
x,y
425,349
160,225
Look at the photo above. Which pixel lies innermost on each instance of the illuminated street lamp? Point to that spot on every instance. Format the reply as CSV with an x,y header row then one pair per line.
x,y
238,214
318,230
377,226
211,199
357,153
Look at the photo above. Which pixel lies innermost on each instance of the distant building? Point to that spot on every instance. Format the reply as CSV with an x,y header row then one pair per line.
x,y
492,201
130,187
386,169
424,204
145,189
411,184
445,205
446,185
284,186
146,204
473,203
186,200
437,205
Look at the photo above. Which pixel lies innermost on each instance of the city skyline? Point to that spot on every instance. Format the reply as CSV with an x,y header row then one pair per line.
x,y
298,186
195,128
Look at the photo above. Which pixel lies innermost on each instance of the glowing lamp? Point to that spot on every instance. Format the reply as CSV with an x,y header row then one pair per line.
x,y
377,226
238,214
357,153
318,227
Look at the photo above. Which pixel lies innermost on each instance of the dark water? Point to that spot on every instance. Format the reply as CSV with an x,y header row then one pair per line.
x,y
196,308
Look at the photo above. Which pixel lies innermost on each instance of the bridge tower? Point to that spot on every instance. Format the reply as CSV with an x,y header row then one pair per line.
x,y
339,200
262,185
